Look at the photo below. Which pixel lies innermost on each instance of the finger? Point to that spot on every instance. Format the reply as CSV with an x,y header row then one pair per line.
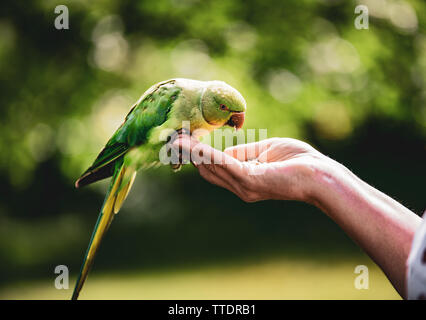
x,y
182,145
249,151
216,167
204,154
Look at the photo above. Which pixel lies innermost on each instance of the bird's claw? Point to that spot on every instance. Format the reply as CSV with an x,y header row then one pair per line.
x,y
183,158
184,131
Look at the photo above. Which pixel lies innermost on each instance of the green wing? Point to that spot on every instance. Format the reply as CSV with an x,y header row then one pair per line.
x,y
151,111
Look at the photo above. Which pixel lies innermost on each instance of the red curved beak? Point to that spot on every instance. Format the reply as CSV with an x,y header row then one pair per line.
x,y
237,120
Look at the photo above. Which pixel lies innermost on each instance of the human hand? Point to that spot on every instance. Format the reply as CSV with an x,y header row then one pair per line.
x,y
276,168
289,169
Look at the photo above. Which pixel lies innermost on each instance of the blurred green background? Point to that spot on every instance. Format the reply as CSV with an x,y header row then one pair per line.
x,y
306,72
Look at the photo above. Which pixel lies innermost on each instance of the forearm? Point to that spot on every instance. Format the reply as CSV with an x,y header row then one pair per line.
x,y
380,225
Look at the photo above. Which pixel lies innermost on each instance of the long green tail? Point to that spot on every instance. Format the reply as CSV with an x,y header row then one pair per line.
x,y
113,200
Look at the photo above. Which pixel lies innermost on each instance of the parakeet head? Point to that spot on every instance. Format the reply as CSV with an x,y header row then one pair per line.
x,y
222,105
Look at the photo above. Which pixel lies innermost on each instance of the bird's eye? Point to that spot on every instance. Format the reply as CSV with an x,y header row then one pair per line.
x,y
223,107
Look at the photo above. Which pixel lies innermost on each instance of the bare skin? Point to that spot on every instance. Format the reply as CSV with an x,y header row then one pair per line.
x,y
289,169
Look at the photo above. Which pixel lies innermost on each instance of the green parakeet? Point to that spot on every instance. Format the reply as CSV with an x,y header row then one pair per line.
x,y
137,142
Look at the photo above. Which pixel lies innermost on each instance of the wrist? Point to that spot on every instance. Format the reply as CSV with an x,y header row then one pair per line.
x,y
380,225
325,178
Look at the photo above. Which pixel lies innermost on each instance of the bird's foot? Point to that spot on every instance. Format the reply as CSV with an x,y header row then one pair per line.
x,y
184,131
183,157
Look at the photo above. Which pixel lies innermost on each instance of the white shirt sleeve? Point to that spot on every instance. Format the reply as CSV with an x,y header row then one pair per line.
x,y
416,265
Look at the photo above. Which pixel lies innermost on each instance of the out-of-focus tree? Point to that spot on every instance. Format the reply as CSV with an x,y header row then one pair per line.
x,y
304,68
